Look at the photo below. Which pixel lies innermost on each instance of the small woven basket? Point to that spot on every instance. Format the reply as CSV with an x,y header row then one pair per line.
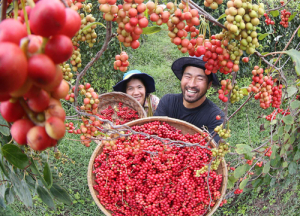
x,y
181,125
113,99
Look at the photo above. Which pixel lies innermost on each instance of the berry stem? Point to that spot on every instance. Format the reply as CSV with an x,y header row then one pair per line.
x,y
30,114
26,17
16,8
274,9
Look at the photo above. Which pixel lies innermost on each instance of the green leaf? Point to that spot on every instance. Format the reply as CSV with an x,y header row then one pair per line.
x,y
292,16
2,203
243,149
151,30
230,184
3,169
266,168
284,164
4,130
280,131
291,90
261,37
298,33
48,175
275,13
287,128
45,196
35,171
297,155
9,196
295,55
241,170
295,104
91,24
15,156
244,183
256,182
21,189
222,16
60,194
288,119
292,168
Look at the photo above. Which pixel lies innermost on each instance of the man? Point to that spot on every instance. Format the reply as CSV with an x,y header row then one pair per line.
x,y
192,105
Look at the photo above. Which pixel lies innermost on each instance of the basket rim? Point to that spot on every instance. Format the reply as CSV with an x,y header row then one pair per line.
x,y
161,119
125,96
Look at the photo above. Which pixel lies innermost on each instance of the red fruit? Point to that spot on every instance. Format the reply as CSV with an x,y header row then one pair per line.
x,y
135,44
40,102
38,139
41,69
4,97
72,23
61,91
245,59
218,117
55,110
19,130
47,17
13,67
11,112
56,82
12,31
55,128
59,48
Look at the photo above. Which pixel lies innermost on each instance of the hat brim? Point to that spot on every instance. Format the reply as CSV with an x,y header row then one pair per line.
x,y
148,80
179,65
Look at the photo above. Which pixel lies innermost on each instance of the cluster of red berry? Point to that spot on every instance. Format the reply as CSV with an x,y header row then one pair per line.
x,y
259,164
285,18
249,162
31,81
225,89
130,18
268,21
121,62
264,88
275,112
238,191
119,115
268,152
131,181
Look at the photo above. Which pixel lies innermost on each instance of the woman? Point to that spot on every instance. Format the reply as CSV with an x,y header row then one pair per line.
x,y
139,85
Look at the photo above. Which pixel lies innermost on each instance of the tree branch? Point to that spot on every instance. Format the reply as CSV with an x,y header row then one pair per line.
x,y
98,55
65,3
3,10
207,16
274,9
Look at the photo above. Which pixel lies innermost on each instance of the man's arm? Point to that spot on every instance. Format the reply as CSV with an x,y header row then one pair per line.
x,y
162,108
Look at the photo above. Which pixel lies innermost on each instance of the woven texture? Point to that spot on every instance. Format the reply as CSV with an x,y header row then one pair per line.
x,y
181,125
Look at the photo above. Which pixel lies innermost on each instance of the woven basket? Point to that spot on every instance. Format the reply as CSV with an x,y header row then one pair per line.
x,y
113,99
181,125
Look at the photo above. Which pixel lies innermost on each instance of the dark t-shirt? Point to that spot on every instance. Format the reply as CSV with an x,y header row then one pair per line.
x,y
171,105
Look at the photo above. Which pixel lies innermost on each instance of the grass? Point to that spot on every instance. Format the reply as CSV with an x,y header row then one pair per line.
x,y
155,58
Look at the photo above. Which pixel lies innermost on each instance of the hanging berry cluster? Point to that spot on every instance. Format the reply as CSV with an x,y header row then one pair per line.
x,y
31,81
275,112
284,18
121,62
213,4
130,18
130,181
268,21
225,89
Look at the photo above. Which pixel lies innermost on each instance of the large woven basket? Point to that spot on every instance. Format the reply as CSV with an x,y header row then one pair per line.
x,y
185,128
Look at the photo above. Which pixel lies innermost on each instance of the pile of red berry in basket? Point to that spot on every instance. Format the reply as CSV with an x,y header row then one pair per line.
x,y
140,176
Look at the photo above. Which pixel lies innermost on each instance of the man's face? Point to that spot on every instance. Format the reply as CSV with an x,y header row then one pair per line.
x,y
194,84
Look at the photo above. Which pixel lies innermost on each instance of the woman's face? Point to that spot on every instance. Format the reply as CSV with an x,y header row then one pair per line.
x,y
136,89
